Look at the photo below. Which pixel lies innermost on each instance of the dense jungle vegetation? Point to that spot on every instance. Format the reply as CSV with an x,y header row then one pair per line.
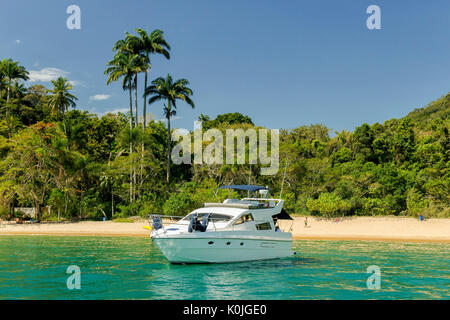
x,y
71,164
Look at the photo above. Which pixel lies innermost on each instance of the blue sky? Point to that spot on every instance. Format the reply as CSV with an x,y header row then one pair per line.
x,y
283,63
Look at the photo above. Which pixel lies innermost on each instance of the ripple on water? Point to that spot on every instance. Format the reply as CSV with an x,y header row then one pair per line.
x,y
133,268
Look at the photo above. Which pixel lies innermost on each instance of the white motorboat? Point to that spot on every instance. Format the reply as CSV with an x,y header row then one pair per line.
x,y
232,231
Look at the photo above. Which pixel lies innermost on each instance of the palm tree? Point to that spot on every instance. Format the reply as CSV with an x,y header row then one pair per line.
x,y
60,98
11,72
108,181
121,66
125,65
139,67
167,89
203,117
145,45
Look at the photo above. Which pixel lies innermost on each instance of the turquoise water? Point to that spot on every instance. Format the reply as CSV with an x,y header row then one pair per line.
x,y
34,267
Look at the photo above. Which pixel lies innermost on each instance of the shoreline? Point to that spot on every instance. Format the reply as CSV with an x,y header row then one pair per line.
x,y
322,238
401,229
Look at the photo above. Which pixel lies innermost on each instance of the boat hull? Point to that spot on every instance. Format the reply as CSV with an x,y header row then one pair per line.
x,y
214,248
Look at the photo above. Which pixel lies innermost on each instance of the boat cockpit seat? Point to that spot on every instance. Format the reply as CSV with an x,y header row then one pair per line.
x,y
195,225
157,223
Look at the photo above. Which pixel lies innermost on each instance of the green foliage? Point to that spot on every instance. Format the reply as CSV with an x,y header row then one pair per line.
x,y
439,109
343,155
82,165
225,118
328,204
416,203
191,195
178,203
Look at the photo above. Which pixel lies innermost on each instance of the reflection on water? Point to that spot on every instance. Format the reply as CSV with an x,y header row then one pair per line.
x,y
34,267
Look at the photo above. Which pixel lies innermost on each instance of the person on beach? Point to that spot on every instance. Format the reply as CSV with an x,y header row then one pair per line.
x,y
306,222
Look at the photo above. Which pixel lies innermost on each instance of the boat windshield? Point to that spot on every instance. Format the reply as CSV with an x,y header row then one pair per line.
x,y
216,217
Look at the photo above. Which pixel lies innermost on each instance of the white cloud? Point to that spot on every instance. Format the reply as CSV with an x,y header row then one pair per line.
x,y
47,74
18,41
100,97
123,110
77,83
171,119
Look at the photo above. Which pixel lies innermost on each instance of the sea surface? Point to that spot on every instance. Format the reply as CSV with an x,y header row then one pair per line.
x,y
35,267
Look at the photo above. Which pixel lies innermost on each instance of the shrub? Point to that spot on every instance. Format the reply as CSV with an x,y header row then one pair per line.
x,y
328,204
178,203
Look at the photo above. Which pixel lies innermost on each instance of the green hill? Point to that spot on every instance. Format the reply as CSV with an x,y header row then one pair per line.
x,y
438,109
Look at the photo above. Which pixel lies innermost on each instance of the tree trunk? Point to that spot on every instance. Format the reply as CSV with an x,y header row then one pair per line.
x,y
282,181
7,110
112,202
7,102
168,148
144,124
66,196
131,144
134,183
13,206
65,130
131,105
137,123
11,209
144,111
136,99
38,210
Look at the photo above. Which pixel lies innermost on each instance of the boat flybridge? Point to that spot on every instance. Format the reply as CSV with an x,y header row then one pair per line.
x,y
232,231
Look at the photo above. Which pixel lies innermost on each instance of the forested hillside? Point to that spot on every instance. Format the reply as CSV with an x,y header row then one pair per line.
x,y
85,166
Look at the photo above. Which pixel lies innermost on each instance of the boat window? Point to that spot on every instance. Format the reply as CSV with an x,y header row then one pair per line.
x,y
216,217
264,226
244,218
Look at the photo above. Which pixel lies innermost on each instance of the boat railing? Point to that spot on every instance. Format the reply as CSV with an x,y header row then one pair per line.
x,y
173,219
154,219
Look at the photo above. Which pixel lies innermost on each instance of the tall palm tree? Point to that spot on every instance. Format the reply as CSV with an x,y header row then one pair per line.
x,y
125,65
126,47
122,66
139,67
11,72
145,45
60,98
167,89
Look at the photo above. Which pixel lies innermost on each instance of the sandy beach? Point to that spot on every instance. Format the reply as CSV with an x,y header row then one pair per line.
x,y
372,228
358,228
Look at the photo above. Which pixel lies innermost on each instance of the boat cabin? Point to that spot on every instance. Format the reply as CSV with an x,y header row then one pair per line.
x,y
247,214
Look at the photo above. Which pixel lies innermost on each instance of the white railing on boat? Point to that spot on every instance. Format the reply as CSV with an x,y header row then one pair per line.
x,y
212,220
